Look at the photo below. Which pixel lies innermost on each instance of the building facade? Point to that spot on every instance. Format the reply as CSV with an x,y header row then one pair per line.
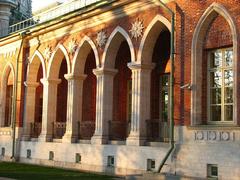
x,y
90,88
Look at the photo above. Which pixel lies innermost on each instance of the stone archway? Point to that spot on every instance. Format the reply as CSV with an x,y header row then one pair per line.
x,y
34,99
55,89
7,90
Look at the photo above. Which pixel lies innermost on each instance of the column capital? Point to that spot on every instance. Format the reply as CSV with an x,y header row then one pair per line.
x,y
31,84
50,81
138,66
105,71
75,77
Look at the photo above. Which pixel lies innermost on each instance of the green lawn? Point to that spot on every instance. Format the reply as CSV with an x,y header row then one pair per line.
x,y
32,172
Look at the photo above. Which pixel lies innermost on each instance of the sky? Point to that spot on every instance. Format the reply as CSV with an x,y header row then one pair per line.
x,y
38,4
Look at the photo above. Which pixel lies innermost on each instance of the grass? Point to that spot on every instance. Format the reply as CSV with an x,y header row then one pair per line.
x,y
33,172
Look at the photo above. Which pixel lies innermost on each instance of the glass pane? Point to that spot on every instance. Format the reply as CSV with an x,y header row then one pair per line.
x,y
228,78
216,96
165,80
228,113
216,79
165,106
228,95
215,113
228,57
216,59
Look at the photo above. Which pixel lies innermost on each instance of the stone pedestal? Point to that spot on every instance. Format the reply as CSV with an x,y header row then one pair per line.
x,y
74,107
141,85
104,106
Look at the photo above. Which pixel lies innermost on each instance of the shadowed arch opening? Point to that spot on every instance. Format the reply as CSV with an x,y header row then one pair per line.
x,y
86,46
59,55
200,61
118,53
34,99
155,51
85,61
158,24
59,66
7,88
117,37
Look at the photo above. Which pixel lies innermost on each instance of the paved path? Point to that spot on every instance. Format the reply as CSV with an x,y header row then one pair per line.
x,y
3,178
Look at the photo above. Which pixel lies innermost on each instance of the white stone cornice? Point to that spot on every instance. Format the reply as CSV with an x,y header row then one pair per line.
x,y
31,84
138,66
75,77
50,81
103,71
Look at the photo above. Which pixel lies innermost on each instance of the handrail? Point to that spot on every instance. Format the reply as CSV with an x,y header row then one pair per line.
x,y
51,14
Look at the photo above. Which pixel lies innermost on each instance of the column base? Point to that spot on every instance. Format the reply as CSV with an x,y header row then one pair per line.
x,y
45,138
136,141
69,138
26,137
98,139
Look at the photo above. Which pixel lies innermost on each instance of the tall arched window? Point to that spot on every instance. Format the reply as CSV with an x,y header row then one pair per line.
x,y
214,62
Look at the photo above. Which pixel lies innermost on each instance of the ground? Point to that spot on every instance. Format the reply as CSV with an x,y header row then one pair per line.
x,y
30,172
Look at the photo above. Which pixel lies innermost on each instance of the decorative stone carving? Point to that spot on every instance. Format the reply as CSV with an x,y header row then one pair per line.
x,y
72,46
214,136
47,53
5,133
101,38
137,29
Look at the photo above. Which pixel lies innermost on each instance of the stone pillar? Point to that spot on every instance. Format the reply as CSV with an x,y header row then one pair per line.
x,y
29,116
104,106
74,107
49,108
5,8
141,85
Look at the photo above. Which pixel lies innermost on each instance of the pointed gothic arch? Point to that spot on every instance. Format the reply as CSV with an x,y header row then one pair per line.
x,y
8,70
156,26
114,41
79,60
60,53
36,60
196,56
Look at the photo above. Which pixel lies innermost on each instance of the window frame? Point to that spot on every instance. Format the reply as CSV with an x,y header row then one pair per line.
x,y
222,68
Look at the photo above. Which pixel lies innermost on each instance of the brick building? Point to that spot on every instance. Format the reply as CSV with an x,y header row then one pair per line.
x,y
88,85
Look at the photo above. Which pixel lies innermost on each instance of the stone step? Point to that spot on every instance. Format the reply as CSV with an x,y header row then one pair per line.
x,y
155,176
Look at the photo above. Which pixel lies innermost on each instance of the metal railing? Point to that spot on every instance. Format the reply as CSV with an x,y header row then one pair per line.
x,y
59,129
86,129
118,130
48,15
157,131
36,128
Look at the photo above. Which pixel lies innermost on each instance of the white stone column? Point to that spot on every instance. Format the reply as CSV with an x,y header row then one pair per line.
x,y
104,104
141,86
49,108
29,116
74,107
5,13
